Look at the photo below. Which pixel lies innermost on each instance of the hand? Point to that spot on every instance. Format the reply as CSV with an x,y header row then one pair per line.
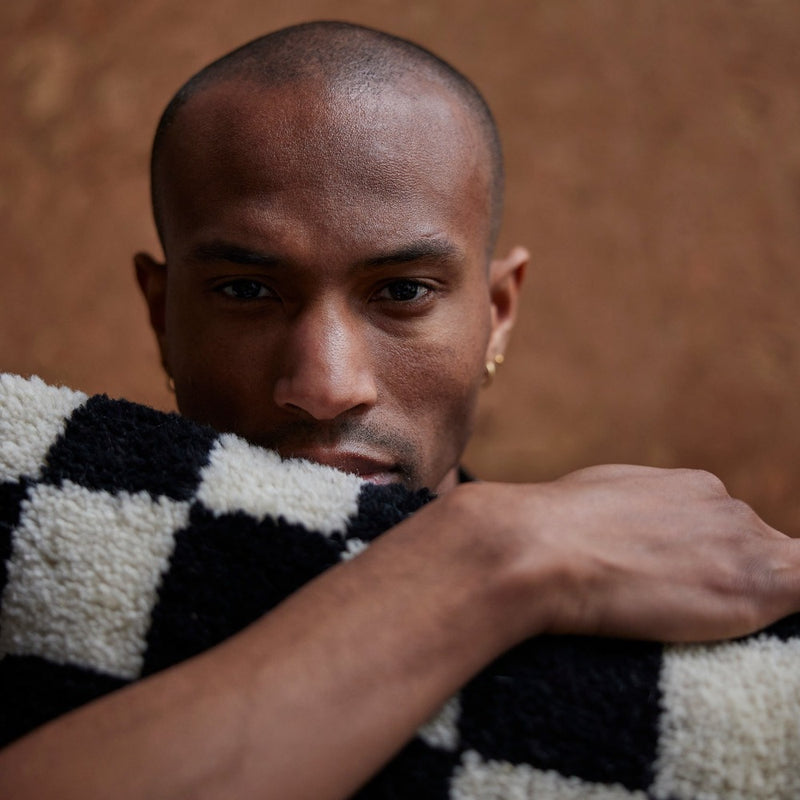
x,y
619,551
639,552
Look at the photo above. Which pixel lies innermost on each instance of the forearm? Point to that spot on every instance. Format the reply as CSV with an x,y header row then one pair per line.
x,y
312,699
307,702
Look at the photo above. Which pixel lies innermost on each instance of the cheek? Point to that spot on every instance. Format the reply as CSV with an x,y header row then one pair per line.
x,y
221,371
439,378
434,386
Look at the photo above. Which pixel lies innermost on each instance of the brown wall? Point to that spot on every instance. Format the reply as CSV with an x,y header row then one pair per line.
x,y
654,171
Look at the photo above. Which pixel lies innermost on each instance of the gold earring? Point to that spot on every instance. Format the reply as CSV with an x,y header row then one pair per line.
x,y
490,368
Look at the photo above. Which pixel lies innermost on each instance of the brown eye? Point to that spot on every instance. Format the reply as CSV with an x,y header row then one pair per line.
x,y
403,291
245,290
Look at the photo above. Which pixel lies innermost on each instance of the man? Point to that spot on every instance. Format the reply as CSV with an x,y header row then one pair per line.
x,y
328,199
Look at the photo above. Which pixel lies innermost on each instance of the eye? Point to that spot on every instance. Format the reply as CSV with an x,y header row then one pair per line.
x,y
403,291
245,289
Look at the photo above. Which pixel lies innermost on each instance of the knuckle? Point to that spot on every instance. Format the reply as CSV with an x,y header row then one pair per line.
x,y
706,480
741,509
612,472
761,575
596,472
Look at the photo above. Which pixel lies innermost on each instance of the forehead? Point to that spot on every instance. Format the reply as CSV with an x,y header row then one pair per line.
x,y
340,163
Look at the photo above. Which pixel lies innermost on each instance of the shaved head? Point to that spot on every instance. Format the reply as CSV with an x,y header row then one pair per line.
x,y
327,197
346,60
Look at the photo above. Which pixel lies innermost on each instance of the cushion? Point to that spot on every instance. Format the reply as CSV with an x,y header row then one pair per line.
x,y
131,539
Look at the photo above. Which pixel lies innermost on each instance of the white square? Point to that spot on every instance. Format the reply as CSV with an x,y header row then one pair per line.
x,y
731,723
33,416
83,575
479,779
242,477
441,730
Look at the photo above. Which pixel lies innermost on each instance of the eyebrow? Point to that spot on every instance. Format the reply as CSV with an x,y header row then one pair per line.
x,y
421,250
226,251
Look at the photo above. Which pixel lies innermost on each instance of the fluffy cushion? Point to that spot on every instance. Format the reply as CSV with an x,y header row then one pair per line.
x,y
132,539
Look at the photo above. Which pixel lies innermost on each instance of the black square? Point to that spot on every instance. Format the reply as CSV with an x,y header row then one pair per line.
x,y
417,771
225,572
383,507
114,445
583,706
34,691
12,493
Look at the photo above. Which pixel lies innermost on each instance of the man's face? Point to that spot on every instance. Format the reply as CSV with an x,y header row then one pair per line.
x,y
326,291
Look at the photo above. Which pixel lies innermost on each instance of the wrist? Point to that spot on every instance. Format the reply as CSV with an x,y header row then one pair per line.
x,y
486,538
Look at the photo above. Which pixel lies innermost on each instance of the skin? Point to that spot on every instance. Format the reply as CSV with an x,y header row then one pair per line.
x,y
314,308
379,641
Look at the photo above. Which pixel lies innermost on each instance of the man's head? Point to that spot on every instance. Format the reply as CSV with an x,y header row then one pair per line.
x,y
327,197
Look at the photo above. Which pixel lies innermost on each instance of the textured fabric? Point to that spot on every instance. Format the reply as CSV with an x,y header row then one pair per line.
x,y
131,540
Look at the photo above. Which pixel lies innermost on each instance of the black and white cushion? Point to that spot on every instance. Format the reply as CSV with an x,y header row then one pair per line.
x,y
131,539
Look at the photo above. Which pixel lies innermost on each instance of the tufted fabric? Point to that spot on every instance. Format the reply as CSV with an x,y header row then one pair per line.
x,y
131,539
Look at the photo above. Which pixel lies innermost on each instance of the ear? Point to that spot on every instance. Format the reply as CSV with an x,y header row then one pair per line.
x,y
505,279
151,276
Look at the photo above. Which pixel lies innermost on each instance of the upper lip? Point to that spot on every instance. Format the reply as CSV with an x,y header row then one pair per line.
x,y
345,460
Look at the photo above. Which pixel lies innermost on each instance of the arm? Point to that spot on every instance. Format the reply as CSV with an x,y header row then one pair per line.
x,y
339,675
313,698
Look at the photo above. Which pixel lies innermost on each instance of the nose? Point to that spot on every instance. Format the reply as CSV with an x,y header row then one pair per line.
x,y
327,369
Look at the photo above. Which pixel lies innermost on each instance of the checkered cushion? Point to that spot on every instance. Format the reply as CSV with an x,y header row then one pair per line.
x,y
132,539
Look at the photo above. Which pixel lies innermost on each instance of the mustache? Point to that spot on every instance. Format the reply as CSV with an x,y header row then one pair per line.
x,y
296,435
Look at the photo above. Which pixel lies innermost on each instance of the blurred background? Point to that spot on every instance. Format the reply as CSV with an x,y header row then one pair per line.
x,y
653,154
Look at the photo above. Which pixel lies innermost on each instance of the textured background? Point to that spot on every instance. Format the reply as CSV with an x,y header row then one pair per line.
x,y
653,154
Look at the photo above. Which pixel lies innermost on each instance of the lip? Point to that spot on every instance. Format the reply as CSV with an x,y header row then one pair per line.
x,y
368,468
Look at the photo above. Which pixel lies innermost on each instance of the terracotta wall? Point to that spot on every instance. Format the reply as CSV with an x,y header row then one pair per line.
x,y
654,171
